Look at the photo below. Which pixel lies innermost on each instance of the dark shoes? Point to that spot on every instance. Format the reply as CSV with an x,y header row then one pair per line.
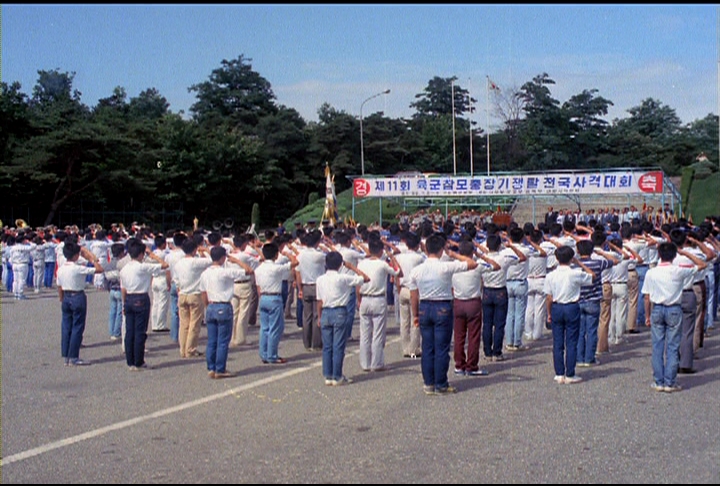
x,y
687,371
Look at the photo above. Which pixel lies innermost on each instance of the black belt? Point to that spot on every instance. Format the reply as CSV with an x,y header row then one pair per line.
x,y
566,303
667,305
517,280
372,295
689,290
73,292
619,283
436,301
494,288
337,307
309,284
242,281
536,276
270,293
211,303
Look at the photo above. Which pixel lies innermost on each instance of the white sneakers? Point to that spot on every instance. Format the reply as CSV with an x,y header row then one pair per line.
x,y
567,380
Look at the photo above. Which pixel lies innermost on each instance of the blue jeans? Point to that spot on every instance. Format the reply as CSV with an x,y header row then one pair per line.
x,y
299,310
517,305
285,292
272,325
115,314
565,330
49,274
9,278
219,322
589,320
641,271
495,306
665,324
334,338
436,328
350,317
137,315
174,313
74,311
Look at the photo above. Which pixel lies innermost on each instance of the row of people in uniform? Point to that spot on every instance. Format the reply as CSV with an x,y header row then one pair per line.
x,y
491,326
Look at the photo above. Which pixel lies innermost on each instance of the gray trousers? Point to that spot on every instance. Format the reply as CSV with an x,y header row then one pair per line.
x,y
373,332
687,331
312,337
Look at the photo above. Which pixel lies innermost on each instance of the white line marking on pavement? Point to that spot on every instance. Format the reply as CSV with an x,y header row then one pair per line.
x,y
21,456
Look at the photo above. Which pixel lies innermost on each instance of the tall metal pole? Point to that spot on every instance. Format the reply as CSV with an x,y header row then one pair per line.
x,y
471,131
362,148
452,91
487,121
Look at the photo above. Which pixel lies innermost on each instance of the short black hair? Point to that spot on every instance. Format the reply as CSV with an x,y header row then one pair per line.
x,y
493,242
376,247
333,261
585,247
217,253
564,254
117,249
667,251
434,244
135,248
214,238
189,246
270,251
70,249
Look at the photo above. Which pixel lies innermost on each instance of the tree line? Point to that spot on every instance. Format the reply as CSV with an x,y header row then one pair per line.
x,y
238,146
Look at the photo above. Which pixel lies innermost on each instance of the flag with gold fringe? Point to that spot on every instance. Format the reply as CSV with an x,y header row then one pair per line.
x,y
330,212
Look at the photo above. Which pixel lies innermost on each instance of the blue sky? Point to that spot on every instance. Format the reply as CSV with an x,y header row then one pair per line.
x,y
343,54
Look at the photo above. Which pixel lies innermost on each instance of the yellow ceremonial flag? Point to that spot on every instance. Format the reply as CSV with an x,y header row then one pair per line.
x,y
330,212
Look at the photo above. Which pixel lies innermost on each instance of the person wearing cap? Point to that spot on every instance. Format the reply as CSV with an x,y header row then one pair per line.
x,y
298,226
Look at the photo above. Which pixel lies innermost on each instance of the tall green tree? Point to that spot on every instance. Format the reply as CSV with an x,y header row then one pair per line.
x,y
235,95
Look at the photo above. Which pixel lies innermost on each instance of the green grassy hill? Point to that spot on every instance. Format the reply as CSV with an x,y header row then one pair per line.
x,y
704,198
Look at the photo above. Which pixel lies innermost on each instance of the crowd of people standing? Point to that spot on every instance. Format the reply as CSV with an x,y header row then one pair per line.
x,y
465,285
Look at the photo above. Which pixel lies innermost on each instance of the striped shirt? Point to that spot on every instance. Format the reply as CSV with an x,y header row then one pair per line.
x,y
593,292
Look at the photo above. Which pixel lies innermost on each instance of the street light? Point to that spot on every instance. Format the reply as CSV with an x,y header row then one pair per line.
x,y
362,151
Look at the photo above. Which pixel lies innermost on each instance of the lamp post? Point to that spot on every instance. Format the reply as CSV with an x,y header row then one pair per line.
x,y
362,150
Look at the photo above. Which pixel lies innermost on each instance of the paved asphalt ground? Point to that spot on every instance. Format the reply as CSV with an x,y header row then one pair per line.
x,y
281,424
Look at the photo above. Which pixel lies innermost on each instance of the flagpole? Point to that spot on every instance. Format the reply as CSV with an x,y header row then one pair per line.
x,y
452,91
471,132
487,121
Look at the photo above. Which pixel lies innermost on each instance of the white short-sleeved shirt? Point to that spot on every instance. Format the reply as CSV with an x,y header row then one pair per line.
x,y
497,279
333,288
378,271
172,258
407,261
187,274
551,262
564,284
665,283
618,273
351,256
248,259
136,277
311,264
685,262
520,270
71,276
468,284
269,276
433,278
218,282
